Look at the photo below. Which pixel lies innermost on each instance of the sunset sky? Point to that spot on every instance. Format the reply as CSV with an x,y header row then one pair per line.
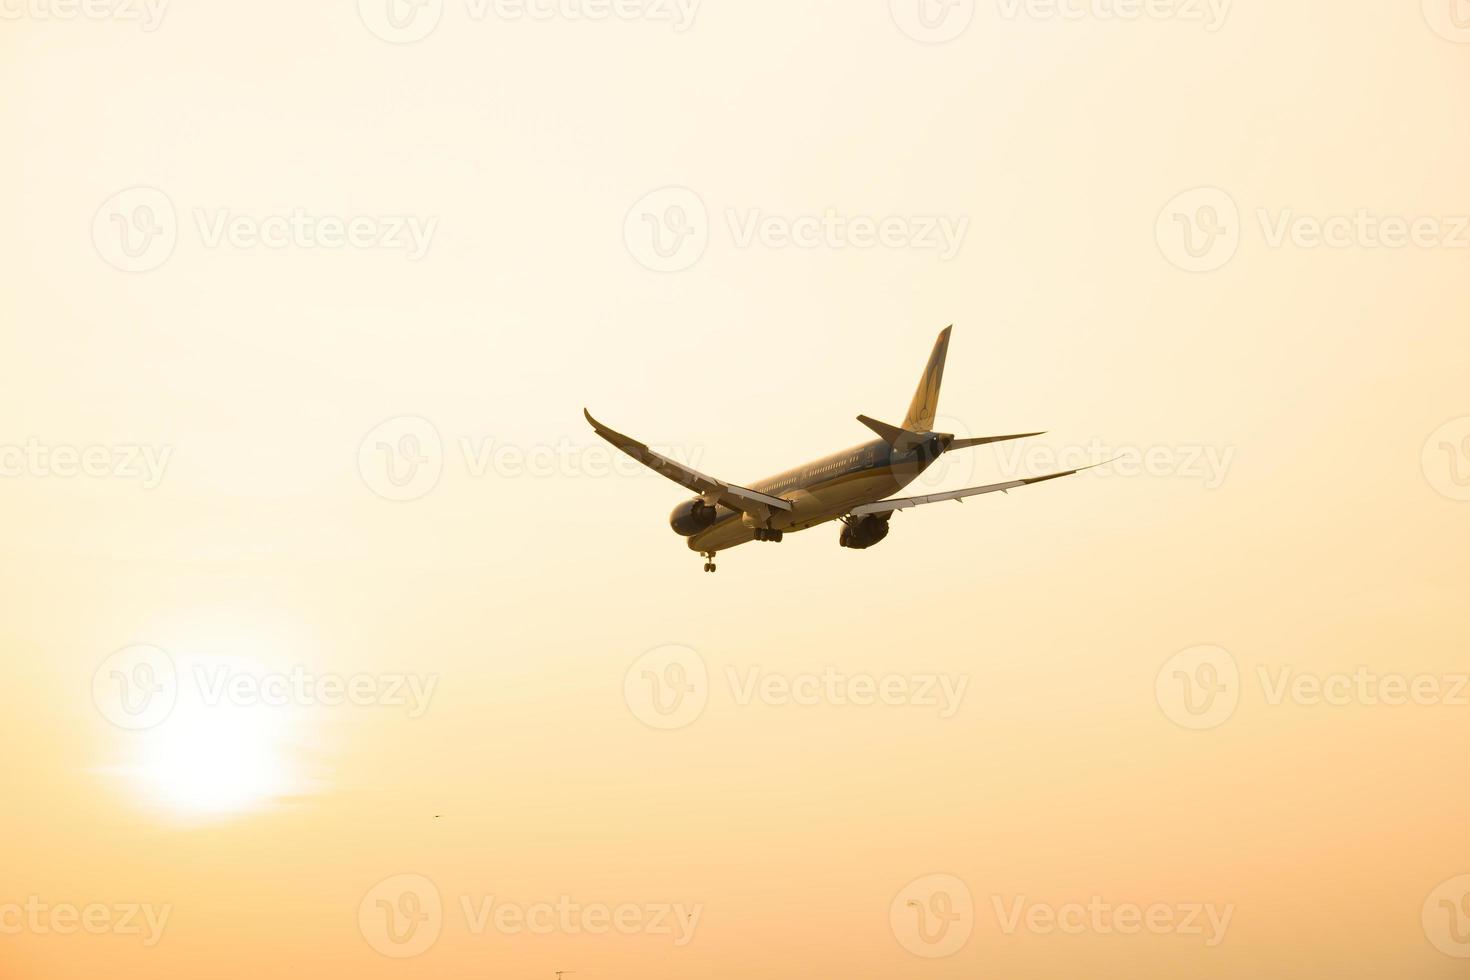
x,y
340,645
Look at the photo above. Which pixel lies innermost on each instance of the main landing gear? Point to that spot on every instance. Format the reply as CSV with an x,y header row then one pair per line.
x,y
766,534
709,564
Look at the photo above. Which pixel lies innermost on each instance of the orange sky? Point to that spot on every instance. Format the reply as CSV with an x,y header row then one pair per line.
x,y
339,643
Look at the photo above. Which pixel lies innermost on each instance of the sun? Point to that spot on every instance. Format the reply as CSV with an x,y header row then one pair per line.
x,y
212,757
212,762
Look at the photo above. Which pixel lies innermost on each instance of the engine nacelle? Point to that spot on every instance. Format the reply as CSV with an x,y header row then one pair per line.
x,y
865,531
691,517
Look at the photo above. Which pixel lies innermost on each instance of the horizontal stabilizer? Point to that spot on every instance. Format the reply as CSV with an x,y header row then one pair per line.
x,y
987,440
902,440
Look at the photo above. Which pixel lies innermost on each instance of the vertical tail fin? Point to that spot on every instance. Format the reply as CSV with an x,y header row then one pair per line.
x,y
925,405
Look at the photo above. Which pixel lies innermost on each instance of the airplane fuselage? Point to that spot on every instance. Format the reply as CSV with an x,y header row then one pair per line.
x,y
820,491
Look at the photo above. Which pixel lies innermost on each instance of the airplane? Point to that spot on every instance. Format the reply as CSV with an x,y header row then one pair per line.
x,y
852,486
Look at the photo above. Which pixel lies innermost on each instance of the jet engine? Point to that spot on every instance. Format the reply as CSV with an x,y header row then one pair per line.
x,y
864,532
691,517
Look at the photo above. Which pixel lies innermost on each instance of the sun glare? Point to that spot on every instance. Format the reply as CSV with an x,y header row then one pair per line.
x,y
214,755
212,761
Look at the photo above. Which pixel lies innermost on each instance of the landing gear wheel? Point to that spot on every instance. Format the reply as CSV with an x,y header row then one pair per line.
x,y
766,534
709,564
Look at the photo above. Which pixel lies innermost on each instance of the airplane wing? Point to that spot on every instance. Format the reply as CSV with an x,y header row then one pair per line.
x,y
901,503
732,496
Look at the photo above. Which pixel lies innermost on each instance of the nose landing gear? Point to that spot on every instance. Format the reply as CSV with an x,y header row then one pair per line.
x,y
709,564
